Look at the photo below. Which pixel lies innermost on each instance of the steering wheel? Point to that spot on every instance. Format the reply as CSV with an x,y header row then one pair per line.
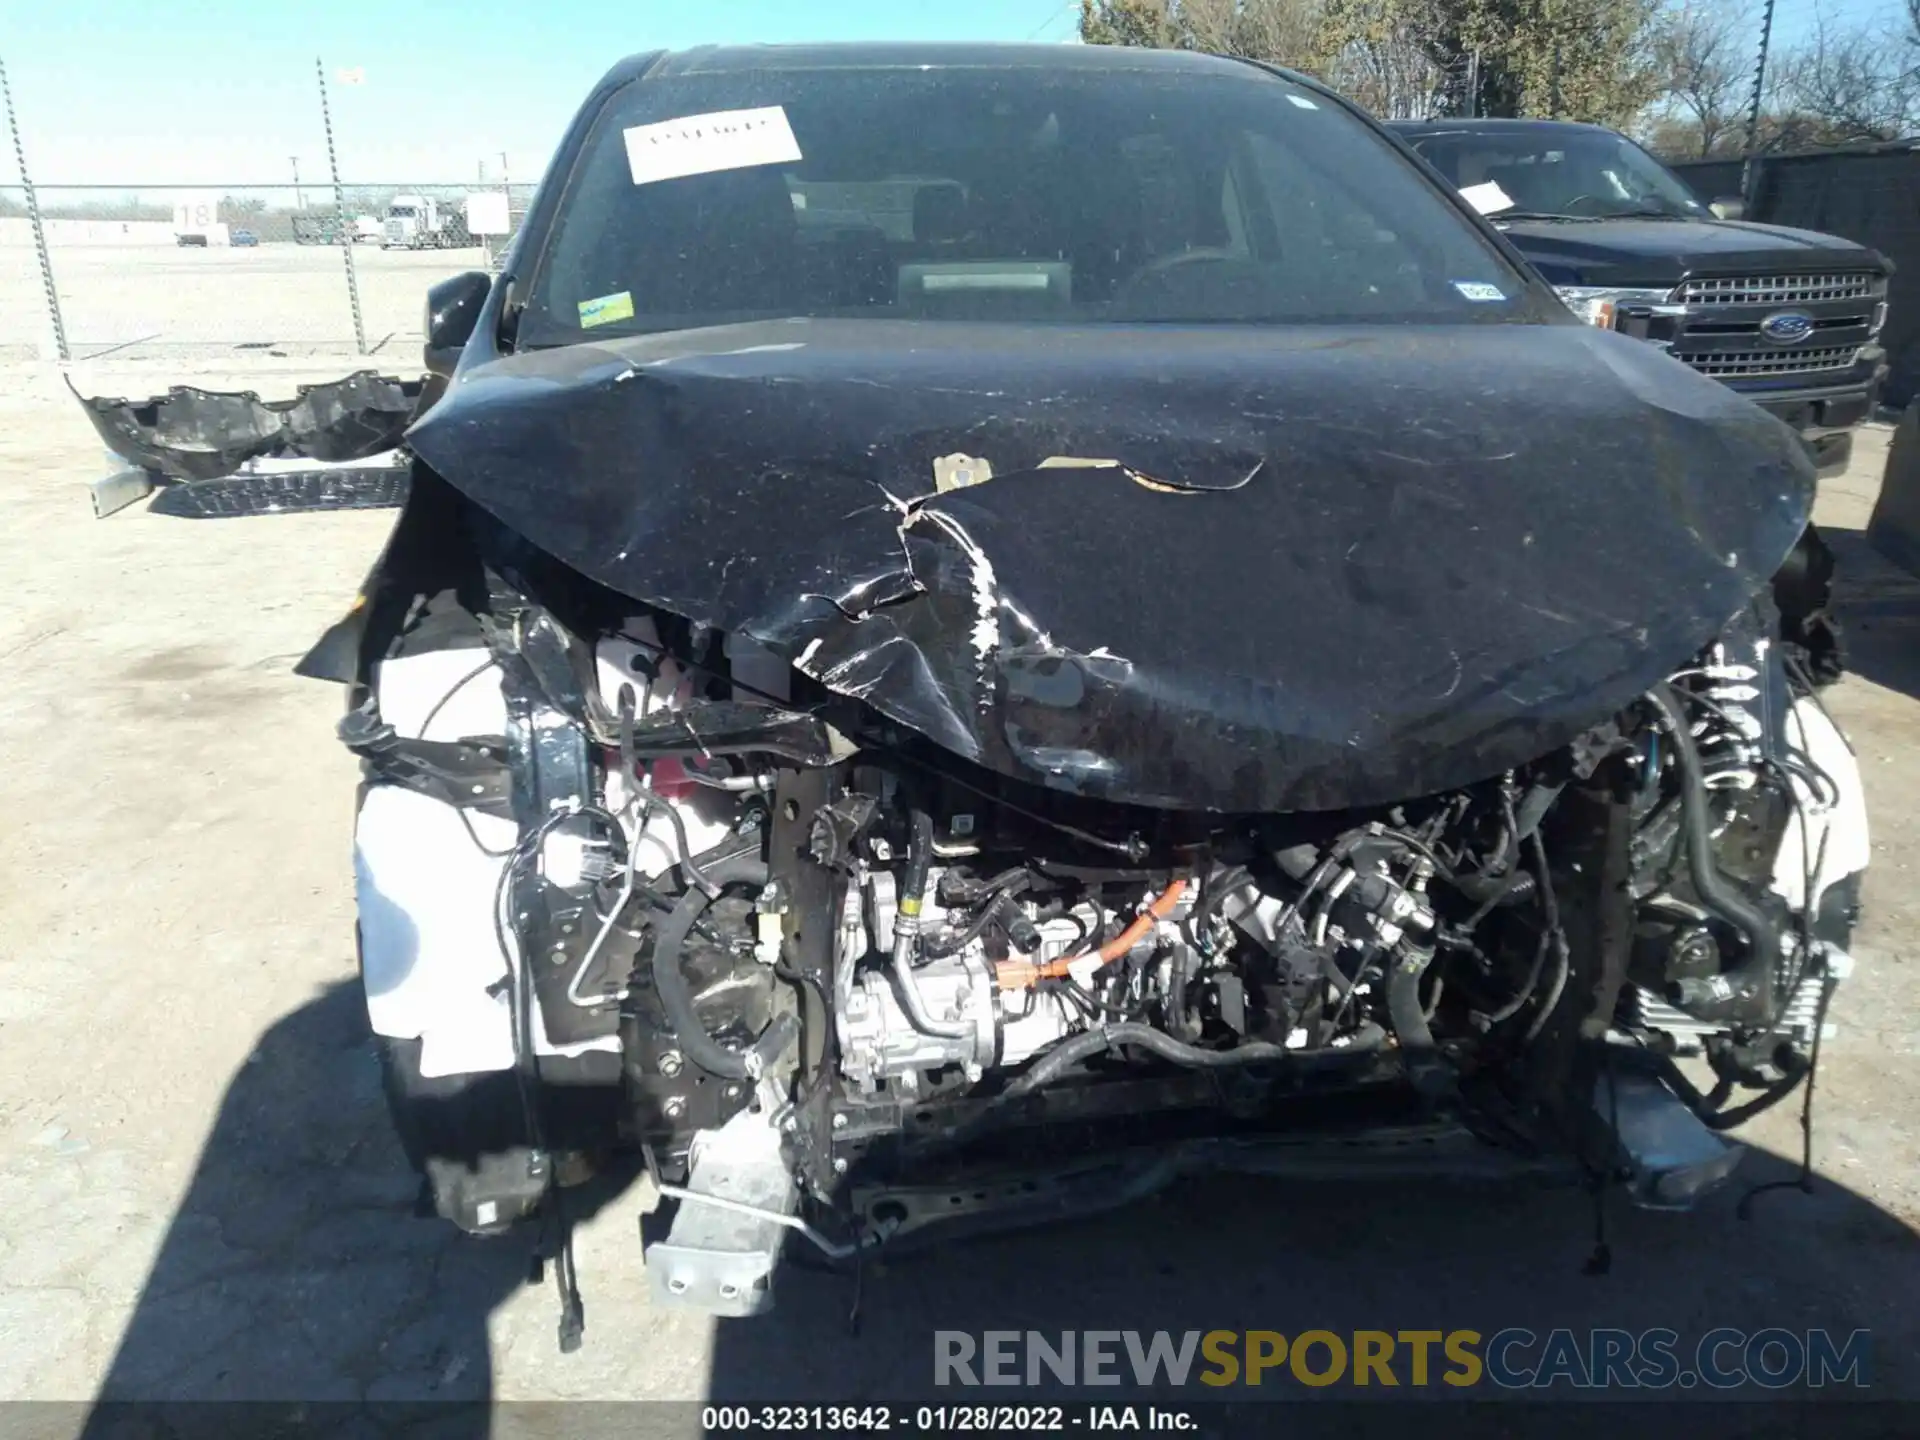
x,y
1198,255
1569,205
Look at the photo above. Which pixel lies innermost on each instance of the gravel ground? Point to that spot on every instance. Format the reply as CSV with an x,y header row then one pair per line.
x,y
199,1198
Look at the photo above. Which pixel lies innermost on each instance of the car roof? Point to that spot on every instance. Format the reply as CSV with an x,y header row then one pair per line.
x,y
737,59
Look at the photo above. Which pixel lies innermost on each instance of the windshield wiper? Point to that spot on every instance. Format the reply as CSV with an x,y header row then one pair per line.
x,y
1500,215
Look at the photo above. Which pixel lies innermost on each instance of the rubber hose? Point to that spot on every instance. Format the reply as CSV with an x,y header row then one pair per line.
x,y
1488,891
676,997
906,933
919,857
1425,1068
1068,1053
1071,1052
1752,980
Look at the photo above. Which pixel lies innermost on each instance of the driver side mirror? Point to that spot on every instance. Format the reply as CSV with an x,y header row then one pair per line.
x,y
453,310
1729,208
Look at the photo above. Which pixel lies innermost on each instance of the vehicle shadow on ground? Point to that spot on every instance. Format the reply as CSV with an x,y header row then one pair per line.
x,y
1234,1253
294,1269
1878,605
299,1266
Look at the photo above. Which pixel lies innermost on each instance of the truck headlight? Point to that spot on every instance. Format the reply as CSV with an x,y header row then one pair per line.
x,y
1600,304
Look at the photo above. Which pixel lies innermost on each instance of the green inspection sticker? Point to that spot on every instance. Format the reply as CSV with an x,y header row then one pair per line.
x,y
606,309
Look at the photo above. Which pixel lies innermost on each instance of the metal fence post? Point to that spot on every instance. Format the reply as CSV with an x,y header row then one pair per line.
x,y
340,211
39,230
1759,94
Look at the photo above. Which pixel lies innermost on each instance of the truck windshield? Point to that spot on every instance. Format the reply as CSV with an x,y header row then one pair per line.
x,y
1007,193
1551,170
401,212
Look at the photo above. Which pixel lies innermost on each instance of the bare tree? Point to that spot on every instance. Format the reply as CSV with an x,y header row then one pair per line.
x,y
1384,53
1913,42
1844,85
1282,31
1705,58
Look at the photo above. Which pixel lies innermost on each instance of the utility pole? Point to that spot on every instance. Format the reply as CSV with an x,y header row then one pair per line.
x,y
299,201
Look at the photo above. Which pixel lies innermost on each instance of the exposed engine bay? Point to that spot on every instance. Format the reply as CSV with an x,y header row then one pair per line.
x,y
956,709
835,981
870,916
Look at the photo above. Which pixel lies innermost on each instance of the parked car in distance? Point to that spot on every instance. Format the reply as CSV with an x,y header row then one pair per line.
x,y
243,237
1789,318
191,238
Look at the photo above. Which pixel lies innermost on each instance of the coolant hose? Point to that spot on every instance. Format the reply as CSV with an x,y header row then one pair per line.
x,y
906,932
1425,1067
1747,990
1080,1048
1487,891
1070,1052
676,997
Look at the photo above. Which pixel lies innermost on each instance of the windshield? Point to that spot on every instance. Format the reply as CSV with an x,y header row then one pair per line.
x,y
402,212
997,194
1555,171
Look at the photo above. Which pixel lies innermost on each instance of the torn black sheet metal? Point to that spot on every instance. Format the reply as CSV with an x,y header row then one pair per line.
x,y
195,434
1375,562
726,727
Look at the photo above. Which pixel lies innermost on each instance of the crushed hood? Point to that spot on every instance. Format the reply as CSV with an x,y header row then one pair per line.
x,y
1326,567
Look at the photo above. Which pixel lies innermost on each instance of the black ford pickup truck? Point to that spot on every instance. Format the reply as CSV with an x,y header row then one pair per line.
x,y
1788,318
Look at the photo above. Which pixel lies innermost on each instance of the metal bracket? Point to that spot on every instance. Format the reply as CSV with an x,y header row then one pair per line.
x,y
721,1261
1671,1158
471,774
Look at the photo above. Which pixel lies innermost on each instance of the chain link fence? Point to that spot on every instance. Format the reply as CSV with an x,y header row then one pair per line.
x,y
208,270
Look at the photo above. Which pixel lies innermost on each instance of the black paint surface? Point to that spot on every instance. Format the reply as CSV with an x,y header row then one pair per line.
x,y
1371,563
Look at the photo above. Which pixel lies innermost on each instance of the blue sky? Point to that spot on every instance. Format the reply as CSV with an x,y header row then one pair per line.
x,y
223,91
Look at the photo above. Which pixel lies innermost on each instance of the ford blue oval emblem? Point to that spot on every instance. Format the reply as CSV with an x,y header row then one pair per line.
x,y
1789,327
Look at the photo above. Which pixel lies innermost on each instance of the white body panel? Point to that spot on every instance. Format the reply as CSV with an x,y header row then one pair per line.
x,y
1836,825
430,952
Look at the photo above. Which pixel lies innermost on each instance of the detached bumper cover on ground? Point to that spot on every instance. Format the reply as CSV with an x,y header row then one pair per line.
x,y
187,443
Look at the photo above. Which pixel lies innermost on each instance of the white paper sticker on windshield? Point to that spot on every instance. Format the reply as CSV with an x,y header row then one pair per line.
x,y
1479,290
1303,102
1487,198
702,144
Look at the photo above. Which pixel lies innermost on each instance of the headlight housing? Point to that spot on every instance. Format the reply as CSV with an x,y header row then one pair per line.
x,y
1601,304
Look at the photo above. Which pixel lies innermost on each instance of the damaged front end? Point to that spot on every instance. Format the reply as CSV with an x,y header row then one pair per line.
x,y
843,873
910,769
